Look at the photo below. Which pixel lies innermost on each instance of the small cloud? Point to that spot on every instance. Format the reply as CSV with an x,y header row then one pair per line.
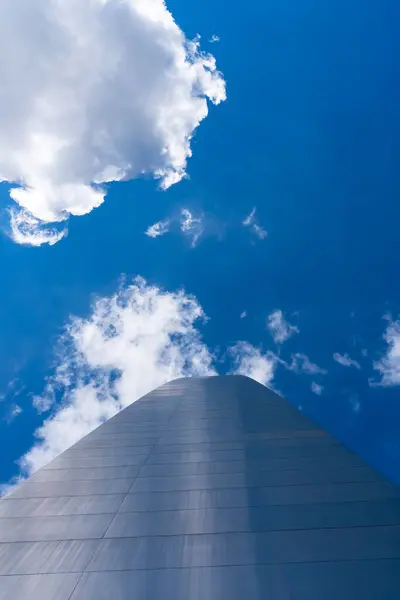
x,y
259,231
364,352
250,218
252,362
26,230
279,328
316,388
389,365
250,221
243,315
355,403
214,39
158,229
13,413
15,387
302,364
346,361
44,402
191,226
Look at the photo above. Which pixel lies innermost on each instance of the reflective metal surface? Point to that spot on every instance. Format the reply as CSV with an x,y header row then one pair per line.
x,y
206,489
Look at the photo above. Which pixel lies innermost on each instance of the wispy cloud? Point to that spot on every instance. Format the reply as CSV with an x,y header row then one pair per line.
x,y
250,221
302,364
316,388
158,229
243,315
13,411
259,231
389,364
251,361
29,231
191,226
346,361
355,403
280,329
127,104
214,39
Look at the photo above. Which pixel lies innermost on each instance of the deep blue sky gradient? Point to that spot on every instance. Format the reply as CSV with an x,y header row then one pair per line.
x,y
309,135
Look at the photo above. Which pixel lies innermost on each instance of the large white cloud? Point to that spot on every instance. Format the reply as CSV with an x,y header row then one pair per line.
x,y
133,341
94,91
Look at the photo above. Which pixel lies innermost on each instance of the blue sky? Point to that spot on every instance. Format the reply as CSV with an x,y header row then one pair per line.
x,y
309,135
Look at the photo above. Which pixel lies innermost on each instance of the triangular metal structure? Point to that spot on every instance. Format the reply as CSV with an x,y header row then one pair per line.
x,y
205,489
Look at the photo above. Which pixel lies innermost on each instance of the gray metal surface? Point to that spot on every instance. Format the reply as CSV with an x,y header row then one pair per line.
x,y
210,488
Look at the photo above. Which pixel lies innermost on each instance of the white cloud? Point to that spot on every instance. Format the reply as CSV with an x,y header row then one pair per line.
x,y
250,221
214,39
316,388
29,231
259,231
251,361
302,364
132,342
191,226
250,218
158,229
13,412
346,361
389,365
243,315
279,328
94,91
355,403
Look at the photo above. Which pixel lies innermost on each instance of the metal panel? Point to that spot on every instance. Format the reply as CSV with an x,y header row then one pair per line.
x,y
78,488
68,505
253,479
107,442
38,587
73,527
187,454
46,557
242,466
107,452
260,445
134,439
85,474
96,462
